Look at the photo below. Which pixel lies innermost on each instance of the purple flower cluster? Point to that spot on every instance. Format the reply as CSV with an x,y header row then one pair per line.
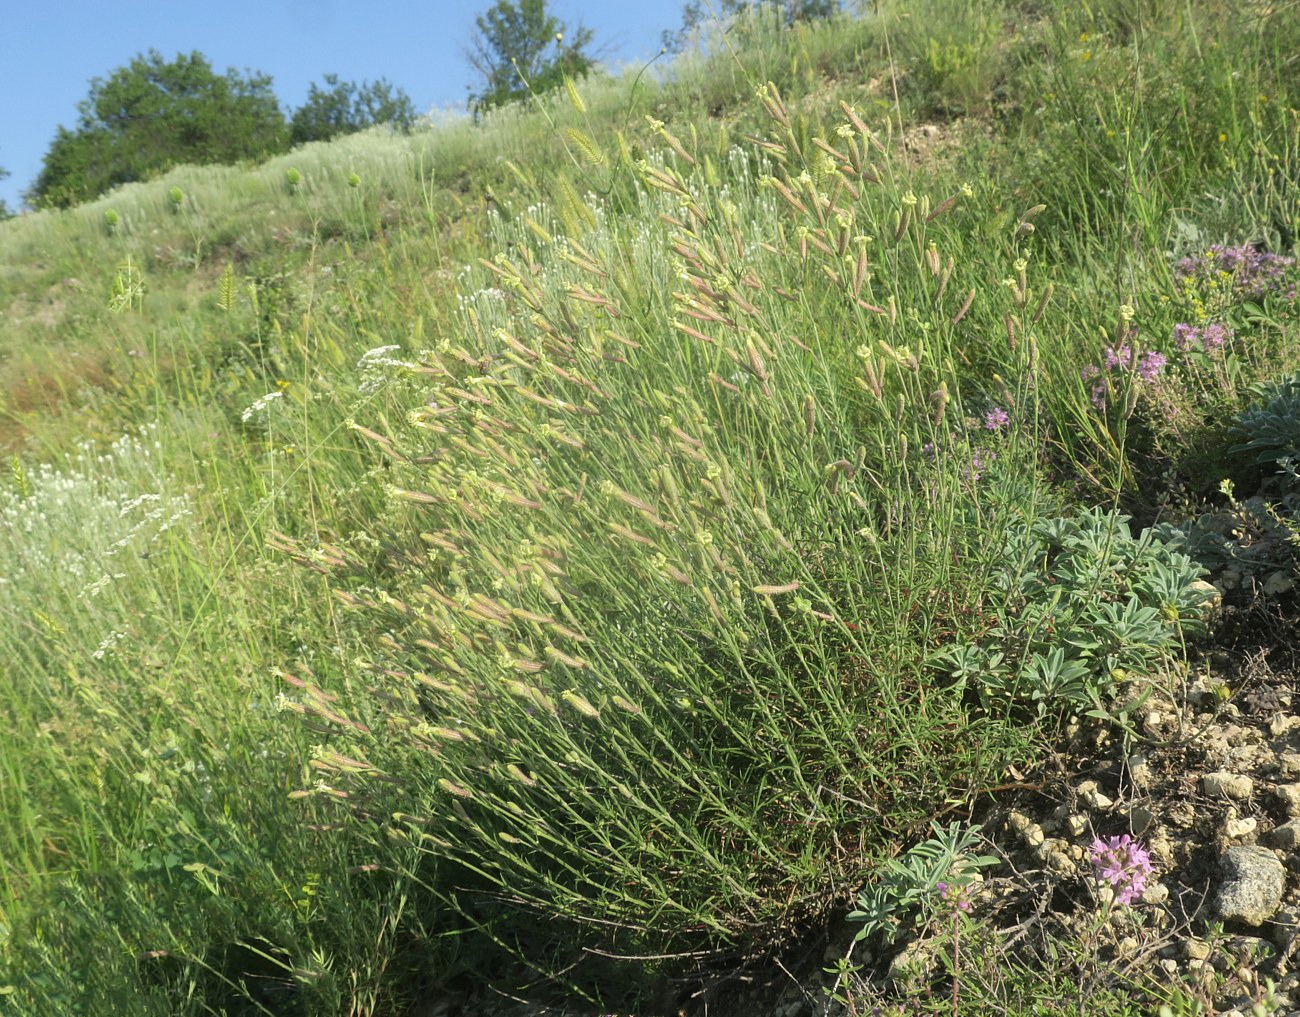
x,y
1124,864
1255,274
958,897
980,460
1151,364
1121,360
996,419
1206,338
1120,357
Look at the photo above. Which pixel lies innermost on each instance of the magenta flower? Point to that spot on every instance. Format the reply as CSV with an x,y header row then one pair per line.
x,y
1124,863
1151,364
1254,274
1207,339
979,462
956,896
996,419
1120,356
1214,336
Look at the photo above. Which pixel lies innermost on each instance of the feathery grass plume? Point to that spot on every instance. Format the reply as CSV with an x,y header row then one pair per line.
x,y
575,97
226,294
658,504
583,141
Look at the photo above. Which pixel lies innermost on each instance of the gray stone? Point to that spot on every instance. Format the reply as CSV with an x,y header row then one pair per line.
x,y
1156,893
1286,923
1211,607
1252,885
1286,836
912,966
1289,796
1289,764
1092,797
1227,785
1140,820
1238,829
1139,771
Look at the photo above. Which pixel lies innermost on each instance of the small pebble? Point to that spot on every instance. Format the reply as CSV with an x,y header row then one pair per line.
x,y
1227,785
1289,796
1286,836
1235,829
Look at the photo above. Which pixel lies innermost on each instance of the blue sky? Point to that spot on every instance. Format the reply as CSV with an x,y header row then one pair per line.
x,y
52,50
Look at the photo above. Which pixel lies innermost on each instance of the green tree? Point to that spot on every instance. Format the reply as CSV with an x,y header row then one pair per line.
x,y
344,107
698,12
4,209
154,114
520,47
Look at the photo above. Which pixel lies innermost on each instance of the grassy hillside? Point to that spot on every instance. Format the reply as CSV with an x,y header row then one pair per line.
x,y
618,527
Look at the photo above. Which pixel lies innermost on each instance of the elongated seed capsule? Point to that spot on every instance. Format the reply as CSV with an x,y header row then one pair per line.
x,y
904,220
1042,303
961,313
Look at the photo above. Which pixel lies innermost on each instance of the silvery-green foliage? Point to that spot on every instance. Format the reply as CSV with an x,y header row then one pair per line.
x,y
1271,427
1082,603
909,884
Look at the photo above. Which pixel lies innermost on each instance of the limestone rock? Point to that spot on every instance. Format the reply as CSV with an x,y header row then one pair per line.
x,y
1289,796
1286,836
1252,885
1227,785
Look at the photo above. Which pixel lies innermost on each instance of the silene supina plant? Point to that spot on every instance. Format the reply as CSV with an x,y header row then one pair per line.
x,y
653,623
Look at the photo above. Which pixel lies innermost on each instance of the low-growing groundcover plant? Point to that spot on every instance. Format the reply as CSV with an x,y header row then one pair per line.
x,y
934,915
1080,607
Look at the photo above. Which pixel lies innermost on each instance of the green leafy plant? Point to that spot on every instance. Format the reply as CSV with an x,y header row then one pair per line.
x,y
908,888
1271,427
337,108
1081,604
154,114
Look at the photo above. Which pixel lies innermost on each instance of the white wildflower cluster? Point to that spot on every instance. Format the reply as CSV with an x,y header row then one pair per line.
x,y
101,584
259,406
378,367
64,523
488,303
106,645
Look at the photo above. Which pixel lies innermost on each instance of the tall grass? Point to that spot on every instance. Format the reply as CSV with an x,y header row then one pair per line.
x,y
637,442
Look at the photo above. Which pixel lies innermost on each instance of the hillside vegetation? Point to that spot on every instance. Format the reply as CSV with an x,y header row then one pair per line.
x,y
576,550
